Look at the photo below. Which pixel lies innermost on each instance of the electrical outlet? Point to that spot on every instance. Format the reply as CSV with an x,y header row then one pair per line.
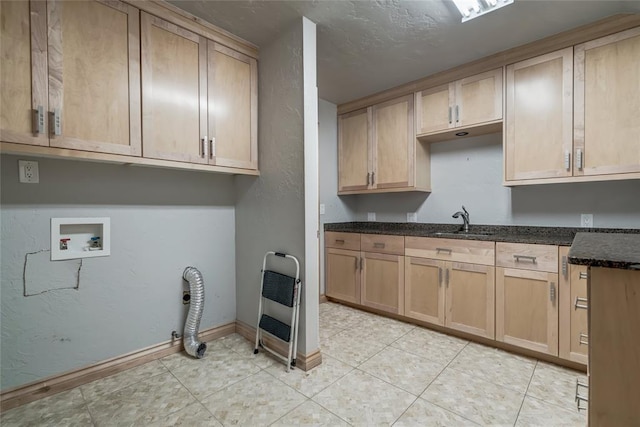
x,y
28,172
321,208
412,216
586,220
371,216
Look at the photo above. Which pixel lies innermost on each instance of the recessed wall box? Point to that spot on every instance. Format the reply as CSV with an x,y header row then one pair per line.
x,y
73,238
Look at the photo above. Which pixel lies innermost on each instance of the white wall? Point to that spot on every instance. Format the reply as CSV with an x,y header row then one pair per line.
x,y
161,222
270,209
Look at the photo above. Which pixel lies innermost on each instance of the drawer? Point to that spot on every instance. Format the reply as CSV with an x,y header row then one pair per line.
x,y
350,241
527,256
470,251
382,244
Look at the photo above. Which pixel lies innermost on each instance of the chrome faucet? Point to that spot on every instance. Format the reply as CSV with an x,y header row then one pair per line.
x,y
465,218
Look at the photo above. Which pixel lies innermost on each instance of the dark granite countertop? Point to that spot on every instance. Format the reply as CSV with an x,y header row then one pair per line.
x,y
620,250
562,236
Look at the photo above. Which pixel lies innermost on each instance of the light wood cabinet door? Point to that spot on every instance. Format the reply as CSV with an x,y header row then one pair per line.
x,y
424,290
607,105
23,72
435,109
470,298
94,76
354,163
232,107
383,282
479,98
393,144
527,309
174,92
572,312
343,275
539,113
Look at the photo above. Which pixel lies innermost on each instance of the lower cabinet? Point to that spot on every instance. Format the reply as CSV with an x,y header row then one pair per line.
x,y
452,294
573,329
527,309
383,282
343,275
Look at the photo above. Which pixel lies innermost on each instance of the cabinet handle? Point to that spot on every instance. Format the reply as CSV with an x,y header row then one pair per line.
x,y
552,292
440,276
341,241
584,339
212,147
447,250
450,116
525,257
579,158
577,304
373,178
446,277
378,245
56,123
39,122
565,267
368,178
203,147
584,275
567,160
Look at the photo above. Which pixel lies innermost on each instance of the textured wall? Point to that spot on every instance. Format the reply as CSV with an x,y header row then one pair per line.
x,y
161,222
270,208
337,209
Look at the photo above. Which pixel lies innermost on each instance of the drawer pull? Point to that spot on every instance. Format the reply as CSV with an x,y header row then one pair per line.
x,y
584,275
584,339
447,250
577,304
552,292
565,266
378,245
341,241
525,257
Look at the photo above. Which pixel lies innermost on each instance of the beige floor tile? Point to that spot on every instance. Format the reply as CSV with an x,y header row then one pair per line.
x,y
218,369
496,366
62,409
310,414
423,413
245,348
473,398
329,331
535,412
145,402
430,344
345,317
255,401
192,415
384,330
311,382
556,385
405,370
362,399
351,346
96,389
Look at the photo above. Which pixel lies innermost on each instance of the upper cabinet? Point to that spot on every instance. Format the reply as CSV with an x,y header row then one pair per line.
x,y
377,150
539,105
103,80
607,105
469,102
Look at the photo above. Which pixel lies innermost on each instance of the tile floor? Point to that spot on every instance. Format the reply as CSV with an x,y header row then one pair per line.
x,y
375,371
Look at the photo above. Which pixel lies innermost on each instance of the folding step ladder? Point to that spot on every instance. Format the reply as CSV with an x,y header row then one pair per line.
x,y
284,290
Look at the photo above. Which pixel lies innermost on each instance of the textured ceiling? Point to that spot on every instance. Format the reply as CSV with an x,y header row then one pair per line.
x,y
368,46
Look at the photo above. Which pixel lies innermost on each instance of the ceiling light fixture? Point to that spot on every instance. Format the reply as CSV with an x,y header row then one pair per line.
x,y
473,8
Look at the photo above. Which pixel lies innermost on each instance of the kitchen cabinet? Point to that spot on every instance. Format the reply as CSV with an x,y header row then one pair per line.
x,y
607,105
23,71
442,289
342,261
465,103
78,85
572,333
378,152
614,352
527,296
538,137
383,272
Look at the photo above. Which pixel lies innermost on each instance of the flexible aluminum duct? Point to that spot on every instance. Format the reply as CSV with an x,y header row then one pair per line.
x,y
196,288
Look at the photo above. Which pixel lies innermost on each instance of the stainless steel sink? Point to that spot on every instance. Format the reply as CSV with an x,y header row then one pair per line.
x,y
462,234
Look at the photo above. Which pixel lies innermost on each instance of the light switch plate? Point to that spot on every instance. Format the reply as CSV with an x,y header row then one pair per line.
x,y
371,216
586,220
